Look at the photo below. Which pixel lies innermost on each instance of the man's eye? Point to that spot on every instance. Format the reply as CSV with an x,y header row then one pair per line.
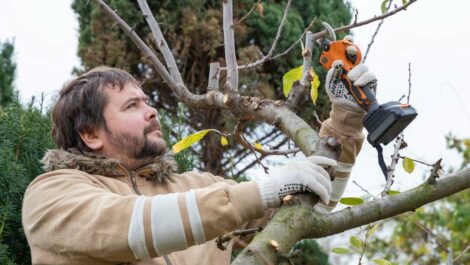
x,y
132,105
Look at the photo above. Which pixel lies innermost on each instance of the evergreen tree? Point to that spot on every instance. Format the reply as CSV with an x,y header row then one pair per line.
x,y
7,72
24,137
193,30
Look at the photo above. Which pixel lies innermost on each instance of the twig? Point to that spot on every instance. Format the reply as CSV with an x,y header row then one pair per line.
x,y
461,254
391,169
428,232
418,161
365,244
222,240
435,172
375,33
265,168
238,134
273,46
214,75
409,83
363,189
297,41
356,24
247,14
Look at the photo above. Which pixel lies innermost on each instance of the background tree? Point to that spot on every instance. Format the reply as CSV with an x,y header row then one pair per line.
x,y
7,72
193,30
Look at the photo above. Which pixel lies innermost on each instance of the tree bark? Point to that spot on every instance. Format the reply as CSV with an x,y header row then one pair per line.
x,y
299,221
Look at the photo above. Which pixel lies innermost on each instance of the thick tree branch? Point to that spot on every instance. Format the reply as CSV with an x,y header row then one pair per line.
x,y
231,86
160,41
299,221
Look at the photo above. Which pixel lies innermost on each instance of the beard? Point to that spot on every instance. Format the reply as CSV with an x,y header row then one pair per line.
x,y
138,148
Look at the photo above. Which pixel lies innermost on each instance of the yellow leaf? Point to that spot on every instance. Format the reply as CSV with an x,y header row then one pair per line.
x,y
257,146
314,84
189,140
408,165
289,78
223,141
466,142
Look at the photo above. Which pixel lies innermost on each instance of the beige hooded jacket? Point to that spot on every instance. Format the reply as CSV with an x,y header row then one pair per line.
x,y
87,209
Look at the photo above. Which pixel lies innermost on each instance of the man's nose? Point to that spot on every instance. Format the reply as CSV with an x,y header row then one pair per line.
x,y
151,113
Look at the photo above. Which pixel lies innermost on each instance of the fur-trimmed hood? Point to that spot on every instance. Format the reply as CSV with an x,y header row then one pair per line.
x,y
163,166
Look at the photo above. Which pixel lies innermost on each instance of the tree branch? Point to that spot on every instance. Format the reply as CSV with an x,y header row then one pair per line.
x,y
160,41
299,221
231,87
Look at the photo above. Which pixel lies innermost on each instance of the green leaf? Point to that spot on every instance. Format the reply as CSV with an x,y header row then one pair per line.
x,y
393,192
289,78
341,250
356,242
190,140
403,2
372,230
408,165
384,6
351,201
381,262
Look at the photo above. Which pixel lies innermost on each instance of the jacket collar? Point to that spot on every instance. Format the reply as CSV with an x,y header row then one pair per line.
x,y
162,167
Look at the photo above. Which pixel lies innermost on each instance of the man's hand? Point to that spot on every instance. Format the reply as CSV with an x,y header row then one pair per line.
x,y
359,75
297,176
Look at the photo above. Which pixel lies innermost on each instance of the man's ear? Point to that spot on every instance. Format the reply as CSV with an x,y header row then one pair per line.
x,y
92,140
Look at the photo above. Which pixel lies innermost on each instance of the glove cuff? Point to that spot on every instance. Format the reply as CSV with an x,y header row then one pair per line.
x,y
347,119
268,194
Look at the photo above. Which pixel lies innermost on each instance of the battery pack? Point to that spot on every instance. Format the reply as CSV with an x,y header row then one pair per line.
x,y
385,122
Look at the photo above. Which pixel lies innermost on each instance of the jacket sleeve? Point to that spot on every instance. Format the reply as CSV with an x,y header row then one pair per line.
x,y
67,211
346,126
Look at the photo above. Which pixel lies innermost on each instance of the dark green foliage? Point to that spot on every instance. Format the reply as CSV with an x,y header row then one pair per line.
x,y
172,129
24,137
193,30
307,252
7,72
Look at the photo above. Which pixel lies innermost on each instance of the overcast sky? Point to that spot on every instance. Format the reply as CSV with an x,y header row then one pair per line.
x,y
432,35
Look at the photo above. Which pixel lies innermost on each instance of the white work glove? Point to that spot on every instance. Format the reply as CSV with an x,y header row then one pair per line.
x,y
359,75
297,176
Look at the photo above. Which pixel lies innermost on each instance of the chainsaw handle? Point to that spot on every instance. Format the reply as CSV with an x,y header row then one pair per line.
x,y
363,95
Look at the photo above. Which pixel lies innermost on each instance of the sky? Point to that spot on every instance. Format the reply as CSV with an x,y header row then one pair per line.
x,y
432,35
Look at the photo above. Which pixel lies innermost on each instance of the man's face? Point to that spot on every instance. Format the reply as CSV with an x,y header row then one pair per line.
x,y
133,131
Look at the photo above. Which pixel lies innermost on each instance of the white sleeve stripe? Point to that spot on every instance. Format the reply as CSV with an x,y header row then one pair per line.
x,y
136,234
167,225
194,217
344,167
337,188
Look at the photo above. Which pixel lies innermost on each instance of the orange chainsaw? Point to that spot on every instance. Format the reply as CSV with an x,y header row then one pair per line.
x,y
383,122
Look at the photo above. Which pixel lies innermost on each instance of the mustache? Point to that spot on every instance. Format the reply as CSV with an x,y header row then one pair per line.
x,y
154,125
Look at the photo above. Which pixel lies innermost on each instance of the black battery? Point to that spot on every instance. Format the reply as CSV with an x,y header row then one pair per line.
x,y
384,122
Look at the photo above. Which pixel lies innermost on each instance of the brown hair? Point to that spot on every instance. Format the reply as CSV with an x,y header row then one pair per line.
x,y
80,104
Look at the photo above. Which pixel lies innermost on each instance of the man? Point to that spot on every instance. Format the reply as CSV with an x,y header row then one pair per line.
x,y
111,194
